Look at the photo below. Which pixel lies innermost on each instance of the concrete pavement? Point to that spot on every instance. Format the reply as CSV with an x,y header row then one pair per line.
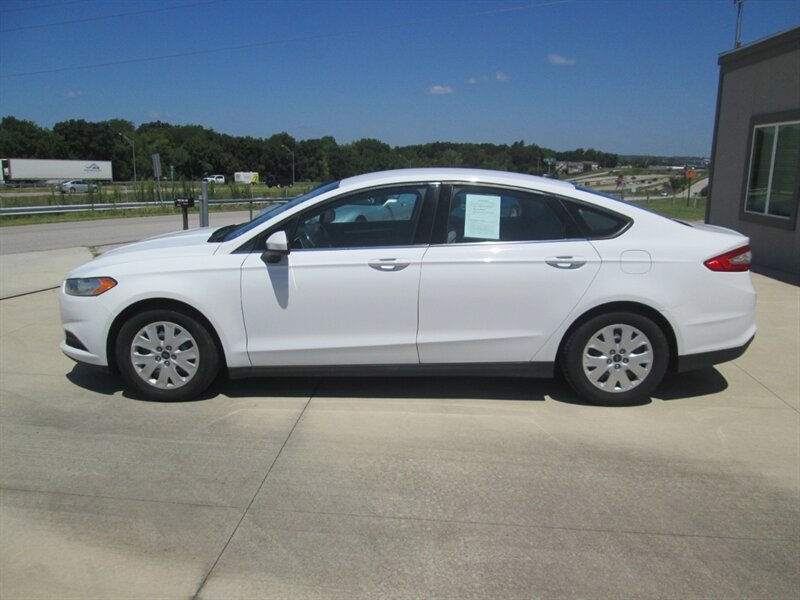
x,y
36,271
401,488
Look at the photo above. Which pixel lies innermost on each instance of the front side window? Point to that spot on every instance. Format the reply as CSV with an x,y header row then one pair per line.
x,y
774,170
378,217
483,214
236,231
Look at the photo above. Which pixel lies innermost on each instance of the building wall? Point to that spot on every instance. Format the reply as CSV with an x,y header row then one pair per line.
x,y
754,81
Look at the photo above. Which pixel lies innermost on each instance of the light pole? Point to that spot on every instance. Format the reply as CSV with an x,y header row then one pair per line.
x,y
292,153
739,6
133,151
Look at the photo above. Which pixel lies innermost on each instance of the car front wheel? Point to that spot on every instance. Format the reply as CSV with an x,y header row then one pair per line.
x,y
615,359
166,355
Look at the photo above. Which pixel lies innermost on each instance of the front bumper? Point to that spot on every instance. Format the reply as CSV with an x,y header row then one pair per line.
x,y
86,322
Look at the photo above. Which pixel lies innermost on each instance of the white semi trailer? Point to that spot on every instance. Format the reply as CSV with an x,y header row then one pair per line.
x,y
36,169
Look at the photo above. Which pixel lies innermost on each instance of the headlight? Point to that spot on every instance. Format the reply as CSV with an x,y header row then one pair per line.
x,y
88,286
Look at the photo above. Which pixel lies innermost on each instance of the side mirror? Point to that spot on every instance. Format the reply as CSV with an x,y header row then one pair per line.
x,y
277,248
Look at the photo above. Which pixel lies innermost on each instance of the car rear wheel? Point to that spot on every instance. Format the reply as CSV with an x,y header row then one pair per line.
x,y
166,355
615,359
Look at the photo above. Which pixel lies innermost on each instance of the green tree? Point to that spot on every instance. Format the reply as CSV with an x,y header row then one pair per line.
x,y
25,139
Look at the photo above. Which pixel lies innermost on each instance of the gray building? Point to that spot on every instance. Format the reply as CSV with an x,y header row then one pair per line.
x,y
755,158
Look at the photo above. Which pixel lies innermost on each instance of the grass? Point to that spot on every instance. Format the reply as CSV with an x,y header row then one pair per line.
x,y
144,191
676,209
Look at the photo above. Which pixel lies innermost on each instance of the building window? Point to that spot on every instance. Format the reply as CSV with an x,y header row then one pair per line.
x,y
774,170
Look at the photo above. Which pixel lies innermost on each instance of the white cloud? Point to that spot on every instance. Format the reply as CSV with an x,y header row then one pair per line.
x,y
154,114
557,59
439,90
498,77
73,93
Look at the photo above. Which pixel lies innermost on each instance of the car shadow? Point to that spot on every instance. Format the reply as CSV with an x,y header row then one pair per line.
x,y
93,379
103,381
444,388
683,386
693,384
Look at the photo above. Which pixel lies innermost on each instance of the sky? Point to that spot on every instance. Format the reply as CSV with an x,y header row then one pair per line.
x,y
623,76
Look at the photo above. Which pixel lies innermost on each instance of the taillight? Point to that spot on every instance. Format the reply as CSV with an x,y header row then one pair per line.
x,y
735,260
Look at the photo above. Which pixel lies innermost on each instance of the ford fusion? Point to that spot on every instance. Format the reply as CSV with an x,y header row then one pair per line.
x,y
449,272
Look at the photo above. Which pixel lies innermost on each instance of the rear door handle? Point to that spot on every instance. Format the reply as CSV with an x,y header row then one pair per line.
x,y
388,264
566,262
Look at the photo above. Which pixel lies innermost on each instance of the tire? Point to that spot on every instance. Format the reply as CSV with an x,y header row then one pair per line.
x,y
616,359
166,356
72,190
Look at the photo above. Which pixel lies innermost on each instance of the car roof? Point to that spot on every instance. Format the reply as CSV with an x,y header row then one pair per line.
x,y
456,175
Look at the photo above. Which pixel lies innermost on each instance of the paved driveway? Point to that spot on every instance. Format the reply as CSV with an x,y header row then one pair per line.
x,y
390,488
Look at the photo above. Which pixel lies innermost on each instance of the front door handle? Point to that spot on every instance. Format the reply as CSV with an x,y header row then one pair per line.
x,y
566,262
388,264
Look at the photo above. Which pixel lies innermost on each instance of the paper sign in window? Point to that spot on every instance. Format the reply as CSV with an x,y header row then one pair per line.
x,y
482,217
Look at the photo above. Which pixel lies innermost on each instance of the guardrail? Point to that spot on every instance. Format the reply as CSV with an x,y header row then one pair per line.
x,y
108,206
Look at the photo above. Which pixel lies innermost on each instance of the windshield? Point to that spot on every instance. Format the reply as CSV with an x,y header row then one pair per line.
x,y
245,227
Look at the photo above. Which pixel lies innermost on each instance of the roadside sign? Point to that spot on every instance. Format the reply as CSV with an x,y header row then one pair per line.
x,y
691,174
157,166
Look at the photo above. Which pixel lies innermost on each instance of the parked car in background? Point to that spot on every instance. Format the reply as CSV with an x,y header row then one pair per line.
x,y
214,179
379,207
480,273
76,186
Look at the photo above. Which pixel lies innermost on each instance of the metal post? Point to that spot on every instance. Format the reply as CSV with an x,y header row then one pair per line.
x,y
133,152
204,204
688,190
292,153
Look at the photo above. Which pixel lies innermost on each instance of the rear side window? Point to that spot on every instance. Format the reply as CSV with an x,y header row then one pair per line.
x,y
481,214
596,223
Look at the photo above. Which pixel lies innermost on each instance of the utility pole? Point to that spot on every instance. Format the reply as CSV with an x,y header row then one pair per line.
x,y
292,153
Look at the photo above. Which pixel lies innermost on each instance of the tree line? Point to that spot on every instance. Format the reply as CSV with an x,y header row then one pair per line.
x,y
195,151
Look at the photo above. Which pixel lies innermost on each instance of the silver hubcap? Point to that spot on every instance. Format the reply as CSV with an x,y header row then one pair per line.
x,y
617,358
165,355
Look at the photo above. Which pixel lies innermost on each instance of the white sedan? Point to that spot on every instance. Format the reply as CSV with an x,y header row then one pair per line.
x,y
77,185
609,294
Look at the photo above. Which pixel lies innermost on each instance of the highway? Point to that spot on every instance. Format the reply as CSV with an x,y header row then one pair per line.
x,y
101,232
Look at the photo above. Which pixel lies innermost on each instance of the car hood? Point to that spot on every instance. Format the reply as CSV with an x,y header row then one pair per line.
x,y
193,242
